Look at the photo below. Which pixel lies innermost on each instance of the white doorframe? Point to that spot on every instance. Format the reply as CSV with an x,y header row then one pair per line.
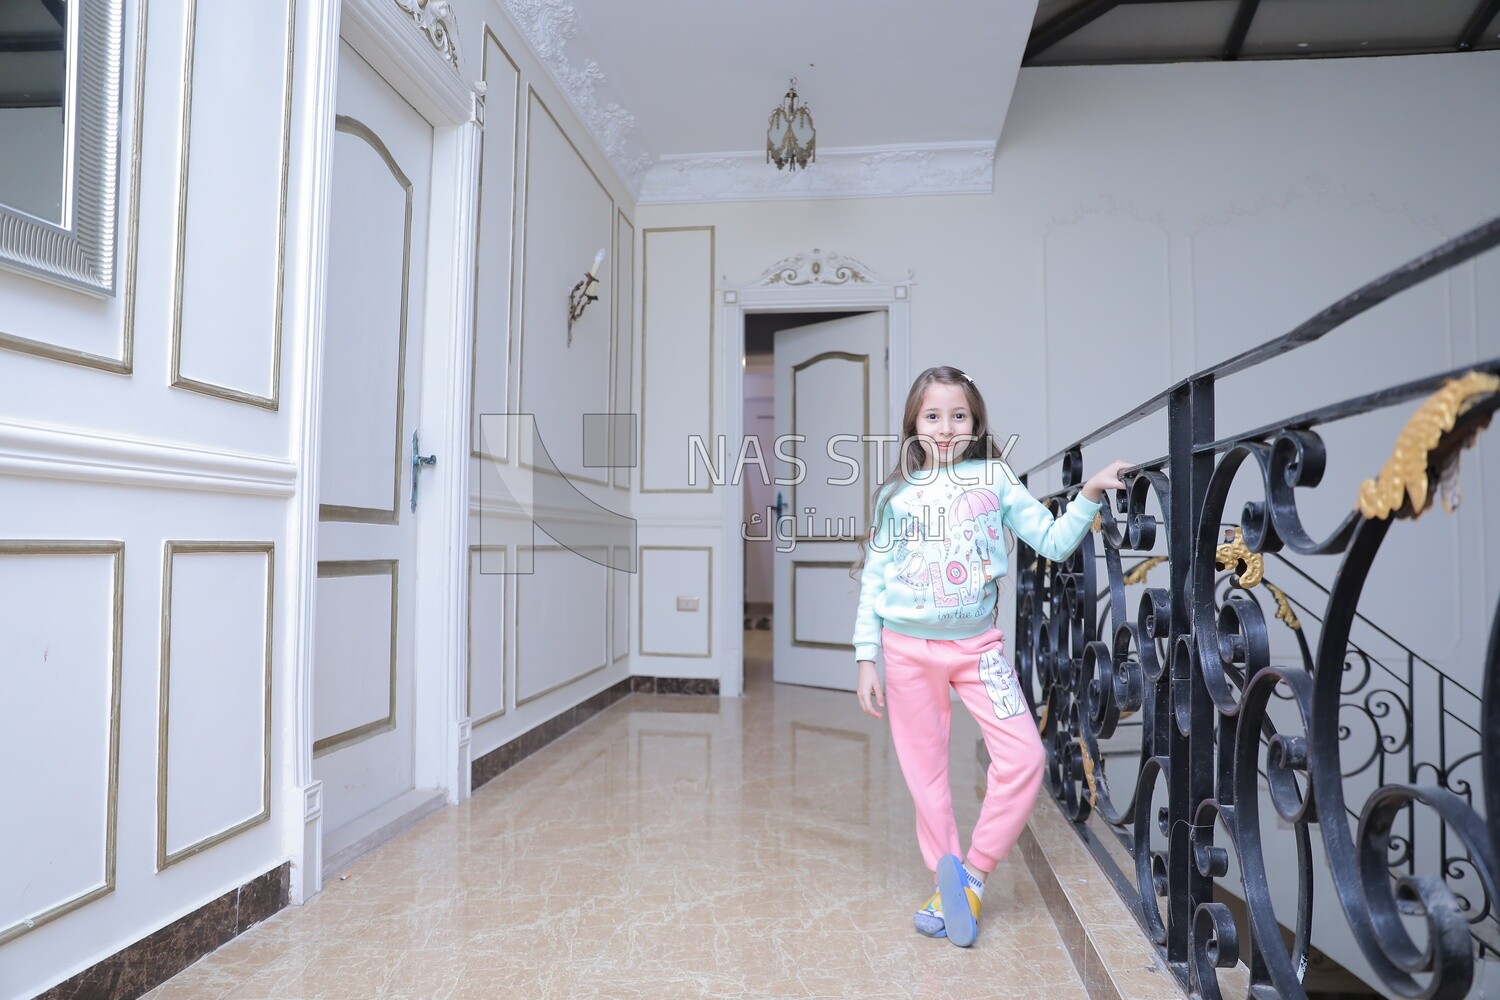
x,y
813,281
433,78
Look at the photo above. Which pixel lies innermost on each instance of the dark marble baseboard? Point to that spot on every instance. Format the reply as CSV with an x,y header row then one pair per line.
x,y
675,685
508,755
151,961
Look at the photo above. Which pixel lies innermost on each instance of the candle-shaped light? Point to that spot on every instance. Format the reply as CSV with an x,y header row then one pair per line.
x,y
598,259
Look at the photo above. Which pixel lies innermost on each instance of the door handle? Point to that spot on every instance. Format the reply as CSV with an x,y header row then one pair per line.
x,y
418,460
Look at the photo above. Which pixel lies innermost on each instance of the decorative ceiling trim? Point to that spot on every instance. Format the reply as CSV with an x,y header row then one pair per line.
x,y
553,31
850,172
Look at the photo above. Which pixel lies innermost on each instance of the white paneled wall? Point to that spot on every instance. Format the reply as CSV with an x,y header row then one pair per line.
x,y
214,761
548,627
62,603
677,355
226,309
158,449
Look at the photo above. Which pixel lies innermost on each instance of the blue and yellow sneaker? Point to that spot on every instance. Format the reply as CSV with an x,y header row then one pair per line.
x,y
959,895
929,919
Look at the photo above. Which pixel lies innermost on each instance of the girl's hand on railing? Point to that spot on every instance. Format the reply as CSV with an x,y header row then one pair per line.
x,y
1107,478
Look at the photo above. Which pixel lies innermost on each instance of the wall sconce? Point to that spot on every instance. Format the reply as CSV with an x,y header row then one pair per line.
x,y
583,293
791,139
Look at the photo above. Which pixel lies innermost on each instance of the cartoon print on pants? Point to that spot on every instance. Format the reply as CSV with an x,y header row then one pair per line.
x,y
1002,684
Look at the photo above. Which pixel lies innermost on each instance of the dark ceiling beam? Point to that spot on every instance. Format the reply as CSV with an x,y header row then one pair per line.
x,y
1240,29
1483,15
59,11
1076,17
31,43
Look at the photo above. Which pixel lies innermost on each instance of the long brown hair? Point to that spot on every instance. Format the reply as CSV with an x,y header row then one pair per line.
x,y
913,455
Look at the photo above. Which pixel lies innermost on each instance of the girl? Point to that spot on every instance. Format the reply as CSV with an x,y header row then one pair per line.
x,y
927,598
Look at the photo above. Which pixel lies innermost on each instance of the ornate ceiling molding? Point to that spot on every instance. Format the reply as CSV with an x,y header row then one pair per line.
x,y
553,31
860,172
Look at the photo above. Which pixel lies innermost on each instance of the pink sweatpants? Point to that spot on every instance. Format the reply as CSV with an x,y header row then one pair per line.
x,y
918,674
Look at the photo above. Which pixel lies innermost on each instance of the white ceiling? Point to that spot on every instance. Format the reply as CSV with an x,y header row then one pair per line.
x,y
701,76
908,97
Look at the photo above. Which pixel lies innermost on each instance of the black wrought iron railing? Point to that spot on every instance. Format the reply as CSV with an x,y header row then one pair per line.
x,y
1235,740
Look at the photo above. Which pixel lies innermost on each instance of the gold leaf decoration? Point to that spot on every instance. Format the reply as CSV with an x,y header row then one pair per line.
x,y
1234,552
1088,772
1138,572
1284,610
1404,474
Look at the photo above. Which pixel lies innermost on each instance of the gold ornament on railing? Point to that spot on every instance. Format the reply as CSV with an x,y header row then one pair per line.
x,y
1138,572
1405,473
1234,552
1284,610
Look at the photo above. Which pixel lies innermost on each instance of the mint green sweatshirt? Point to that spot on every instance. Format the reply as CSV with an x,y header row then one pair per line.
x,y
931,566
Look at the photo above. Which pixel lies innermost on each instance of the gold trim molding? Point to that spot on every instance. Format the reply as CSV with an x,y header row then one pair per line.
x,y
172,549
864,362
180,381
340,568
506,619
375,515
640,609
115,549
512,258
711,340
814,564
520,659
578,475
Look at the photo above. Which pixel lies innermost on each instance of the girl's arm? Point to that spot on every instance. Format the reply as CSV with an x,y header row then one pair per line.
x,y
1056,538
878,555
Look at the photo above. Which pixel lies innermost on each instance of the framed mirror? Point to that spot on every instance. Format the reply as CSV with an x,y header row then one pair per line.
x,y
59,139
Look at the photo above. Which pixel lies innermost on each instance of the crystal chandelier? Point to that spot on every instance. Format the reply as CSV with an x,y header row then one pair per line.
x,y
791,139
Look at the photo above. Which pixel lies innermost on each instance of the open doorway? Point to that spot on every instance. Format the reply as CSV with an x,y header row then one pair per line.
x,y
809,377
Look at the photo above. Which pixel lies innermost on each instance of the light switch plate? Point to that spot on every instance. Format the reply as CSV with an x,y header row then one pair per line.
x,y
687,604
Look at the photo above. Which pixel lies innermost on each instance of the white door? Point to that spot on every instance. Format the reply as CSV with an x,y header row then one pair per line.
x,y
363,691
830,387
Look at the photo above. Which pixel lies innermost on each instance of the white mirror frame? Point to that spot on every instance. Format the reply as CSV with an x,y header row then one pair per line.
x,y
82,254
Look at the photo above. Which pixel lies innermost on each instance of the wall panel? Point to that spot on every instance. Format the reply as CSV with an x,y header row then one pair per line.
x,y
227,293
677,355
561,621
494,274
668,572
488,584
569,218
61,604
214,751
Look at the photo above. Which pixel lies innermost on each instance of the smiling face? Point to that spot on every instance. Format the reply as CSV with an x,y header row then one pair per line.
x,y
943,415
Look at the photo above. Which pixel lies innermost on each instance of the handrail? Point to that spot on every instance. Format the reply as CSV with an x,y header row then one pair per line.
x,y
1471,244
1193,665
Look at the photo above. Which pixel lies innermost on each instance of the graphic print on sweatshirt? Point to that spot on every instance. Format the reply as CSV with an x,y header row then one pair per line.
x,y
1002,684
942,552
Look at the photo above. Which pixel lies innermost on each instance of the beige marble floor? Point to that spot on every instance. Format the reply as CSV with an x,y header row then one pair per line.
x,y
673,846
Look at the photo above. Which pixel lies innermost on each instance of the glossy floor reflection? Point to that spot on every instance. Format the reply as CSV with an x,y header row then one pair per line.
x,y
674,846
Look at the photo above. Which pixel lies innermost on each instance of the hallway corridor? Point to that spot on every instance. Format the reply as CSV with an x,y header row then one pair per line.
x,y
674,846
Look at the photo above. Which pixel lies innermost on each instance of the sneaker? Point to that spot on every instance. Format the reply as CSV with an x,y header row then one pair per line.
x,y
959,901
929,919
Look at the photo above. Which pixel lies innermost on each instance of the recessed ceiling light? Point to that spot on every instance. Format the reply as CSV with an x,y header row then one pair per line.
x,y
1301,45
